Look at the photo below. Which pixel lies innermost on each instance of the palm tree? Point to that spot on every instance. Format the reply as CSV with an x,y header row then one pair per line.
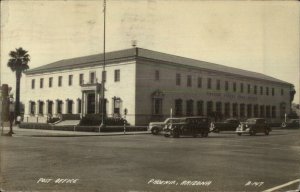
x,y
18,63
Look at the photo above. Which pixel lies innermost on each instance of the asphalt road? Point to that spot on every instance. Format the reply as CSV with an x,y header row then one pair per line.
x,y
146,163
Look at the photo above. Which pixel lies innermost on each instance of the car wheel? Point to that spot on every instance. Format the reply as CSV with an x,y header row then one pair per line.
x,y
283,125
204,134
239,134
166,135
175,133
217,130
267,132
252,133
155,131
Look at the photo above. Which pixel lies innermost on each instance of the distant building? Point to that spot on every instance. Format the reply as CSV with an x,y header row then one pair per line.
x,y
149,84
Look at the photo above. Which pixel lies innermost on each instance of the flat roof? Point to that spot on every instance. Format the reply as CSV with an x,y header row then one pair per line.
x,y
135,53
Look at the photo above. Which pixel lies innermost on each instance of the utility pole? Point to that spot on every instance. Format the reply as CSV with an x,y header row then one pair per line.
x,y
103,103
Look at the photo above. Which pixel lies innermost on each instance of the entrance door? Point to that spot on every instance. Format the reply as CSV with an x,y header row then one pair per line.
x,y
91,103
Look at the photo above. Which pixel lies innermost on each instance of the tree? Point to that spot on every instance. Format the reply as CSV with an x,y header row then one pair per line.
x,y
18,63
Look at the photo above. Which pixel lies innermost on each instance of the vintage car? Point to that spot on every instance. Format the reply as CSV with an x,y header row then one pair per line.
x,y
253,126
292,123
227,125
188,126
157,127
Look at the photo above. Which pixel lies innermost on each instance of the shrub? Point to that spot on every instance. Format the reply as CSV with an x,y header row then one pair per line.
x,y
96,119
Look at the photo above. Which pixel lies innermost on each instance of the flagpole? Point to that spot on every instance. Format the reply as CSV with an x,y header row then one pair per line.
x,y
103,68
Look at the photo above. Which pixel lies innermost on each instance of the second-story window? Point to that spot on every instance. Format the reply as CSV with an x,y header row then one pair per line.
x,y
255,89
50,81
117,75
234,86
81,81
178,79
70,80
103,76
199,82
92,77
282,92
242,88
267,90
60,81
273,91
156,75
209,83
218,84
226,85
189,81
41,82
32,84
249,88
261,90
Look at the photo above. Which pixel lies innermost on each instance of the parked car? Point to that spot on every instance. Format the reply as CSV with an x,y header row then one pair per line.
x,y
253,126
188,126
227,125
292,123
157,127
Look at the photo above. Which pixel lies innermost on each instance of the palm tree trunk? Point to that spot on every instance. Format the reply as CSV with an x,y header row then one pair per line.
x,y
17,104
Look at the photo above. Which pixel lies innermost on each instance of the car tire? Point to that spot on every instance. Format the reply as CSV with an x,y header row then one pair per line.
x,y
155,131
267,132
252,132
204,134
283,125
239,134
166,135
175,133
217,130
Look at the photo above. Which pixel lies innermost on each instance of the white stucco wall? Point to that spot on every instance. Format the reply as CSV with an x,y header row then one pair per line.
x,y
125,88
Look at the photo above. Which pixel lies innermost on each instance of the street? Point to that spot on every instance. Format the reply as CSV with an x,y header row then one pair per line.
x,y
146,163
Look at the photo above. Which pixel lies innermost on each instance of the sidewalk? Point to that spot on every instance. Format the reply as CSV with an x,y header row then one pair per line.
x,y
55,133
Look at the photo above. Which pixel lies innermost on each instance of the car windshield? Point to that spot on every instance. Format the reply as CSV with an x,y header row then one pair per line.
x,y
251,121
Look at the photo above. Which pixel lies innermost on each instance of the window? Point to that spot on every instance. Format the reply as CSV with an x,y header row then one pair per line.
x,y
209,83
41,107
209,106
59,106
32,108
199,82
50,107
226,85
32,84
200,108
178,107
116,105
156,75
249,88
157,106
255,110
262,111
234,109
60,81
274,111
41,83
219,108
117,75
273,91
282,92
261,90
81,81
242,88
178,79
70,80
255,89
189,81
227,109
70,106
242,110
267,90
234,86
50,81
249,110
92,77
189,107
218,84
268,111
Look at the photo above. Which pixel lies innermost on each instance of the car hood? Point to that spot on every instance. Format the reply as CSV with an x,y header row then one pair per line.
x,y
156,123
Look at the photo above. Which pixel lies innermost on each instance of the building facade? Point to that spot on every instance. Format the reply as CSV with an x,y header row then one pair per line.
x,y
152,86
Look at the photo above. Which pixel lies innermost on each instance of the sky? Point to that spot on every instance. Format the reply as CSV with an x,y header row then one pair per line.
x,y
260,36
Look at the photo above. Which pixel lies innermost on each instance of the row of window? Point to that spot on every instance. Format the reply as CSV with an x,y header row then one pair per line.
x,y
92,79
233,109
218,86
